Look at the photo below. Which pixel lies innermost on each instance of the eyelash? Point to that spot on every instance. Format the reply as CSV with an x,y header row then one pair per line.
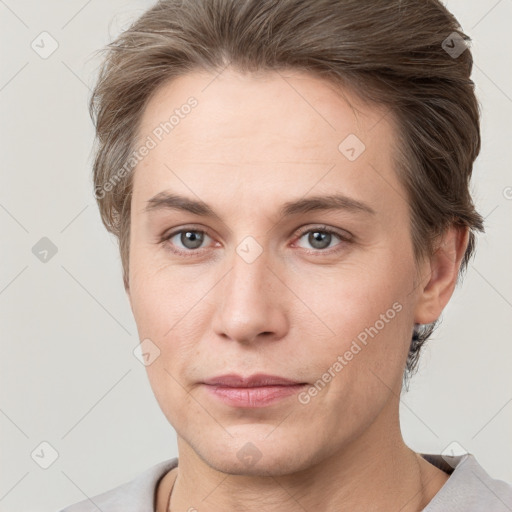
x,y
344,239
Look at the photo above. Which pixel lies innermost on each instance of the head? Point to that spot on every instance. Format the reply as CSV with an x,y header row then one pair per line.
x,y
223,129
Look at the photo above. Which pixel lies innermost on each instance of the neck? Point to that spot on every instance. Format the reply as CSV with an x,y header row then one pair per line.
x,y
371,474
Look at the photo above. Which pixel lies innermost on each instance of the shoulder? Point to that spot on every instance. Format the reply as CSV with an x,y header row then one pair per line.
x,y
136,495
469,488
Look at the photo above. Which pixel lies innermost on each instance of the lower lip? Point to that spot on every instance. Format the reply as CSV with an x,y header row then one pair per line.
x,y
253,397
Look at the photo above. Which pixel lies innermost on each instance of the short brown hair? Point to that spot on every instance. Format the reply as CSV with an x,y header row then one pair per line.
x,y
405,55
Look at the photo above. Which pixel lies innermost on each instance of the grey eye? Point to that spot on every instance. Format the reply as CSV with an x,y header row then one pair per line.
x,y
190,239
318,239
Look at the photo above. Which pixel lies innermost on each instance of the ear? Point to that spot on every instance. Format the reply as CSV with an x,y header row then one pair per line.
x,y
439,275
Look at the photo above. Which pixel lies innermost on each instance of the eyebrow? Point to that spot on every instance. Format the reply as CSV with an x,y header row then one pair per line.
x,y
167,201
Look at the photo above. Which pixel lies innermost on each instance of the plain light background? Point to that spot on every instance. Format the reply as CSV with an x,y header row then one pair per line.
x,y
68,374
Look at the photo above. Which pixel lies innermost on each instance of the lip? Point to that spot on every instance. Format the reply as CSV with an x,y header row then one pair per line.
x,y
258,390
232,380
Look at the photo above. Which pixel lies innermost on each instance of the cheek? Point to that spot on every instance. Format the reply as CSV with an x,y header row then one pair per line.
x,y
170,307
359,368
352,297
165,297
168,311
366,317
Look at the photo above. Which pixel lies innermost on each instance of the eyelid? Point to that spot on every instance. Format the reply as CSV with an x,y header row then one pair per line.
x,y
344,236
173,232
340,233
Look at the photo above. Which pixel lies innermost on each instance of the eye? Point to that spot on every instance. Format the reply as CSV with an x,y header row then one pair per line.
x,y
321,238
186,240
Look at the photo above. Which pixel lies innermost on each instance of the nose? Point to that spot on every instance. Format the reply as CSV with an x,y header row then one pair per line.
x,y
251,304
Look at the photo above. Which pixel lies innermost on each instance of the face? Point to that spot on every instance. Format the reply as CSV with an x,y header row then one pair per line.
x,y
266,239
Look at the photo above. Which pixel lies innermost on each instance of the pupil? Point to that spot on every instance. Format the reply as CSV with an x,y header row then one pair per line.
x,y
191,239
319,240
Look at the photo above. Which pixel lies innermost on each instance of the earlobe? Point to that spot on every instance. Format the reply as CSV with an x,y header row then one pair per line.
x,y
441,272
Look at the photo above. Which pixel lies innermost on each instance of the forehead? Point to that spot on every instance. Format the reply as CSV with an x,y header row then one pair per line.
x,y
289,129
286,106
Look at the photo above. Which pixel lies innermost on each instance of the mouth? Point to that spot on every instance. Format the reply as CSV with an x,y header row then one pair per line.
x,y
259,390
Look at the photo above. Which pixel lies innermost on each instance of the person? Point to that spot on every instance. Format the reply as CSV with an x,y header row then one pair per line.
x,y
289,184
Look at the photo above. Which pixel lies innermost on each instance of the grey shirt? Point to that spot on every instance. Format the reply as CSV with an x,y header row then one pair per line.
x,y
469,489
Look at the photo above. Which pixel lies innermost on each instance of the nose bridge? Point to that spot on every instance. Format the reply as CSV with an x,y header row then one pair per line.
x,y
252,279
248,304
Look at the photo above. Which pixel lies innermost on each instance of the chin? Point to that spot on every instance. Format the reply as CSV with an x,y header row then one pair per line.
x,y
253,452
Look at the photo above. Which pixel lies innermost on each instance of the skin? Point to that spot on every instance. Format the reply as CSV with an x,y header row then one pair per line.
x,y
253,143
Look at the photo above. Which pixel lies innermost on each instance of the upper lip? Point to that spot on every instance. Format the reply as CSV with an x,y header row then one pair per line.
x,y
259,379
